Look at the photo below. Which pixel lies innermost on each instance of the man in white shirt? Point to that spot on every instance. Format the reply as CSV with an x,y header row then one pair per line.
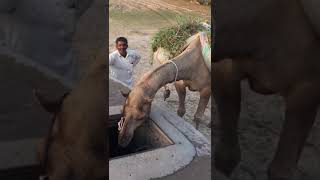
x,y
122,62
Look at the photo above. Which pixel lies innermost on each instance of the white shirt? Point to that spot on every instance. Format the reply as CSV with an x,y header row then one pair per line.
x,y
121,68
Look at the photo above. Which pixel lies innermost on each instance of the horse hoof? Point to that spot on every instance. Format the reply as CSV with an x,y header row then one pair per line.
x,y
181,113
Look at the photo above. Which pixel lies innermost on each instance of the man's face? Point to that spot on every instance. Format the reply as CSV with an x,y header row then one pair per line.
x,y
121,47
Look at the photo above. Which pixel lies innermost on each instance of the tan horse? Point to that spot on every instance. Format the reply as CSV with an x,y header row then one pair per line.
x,y
189,66
161,56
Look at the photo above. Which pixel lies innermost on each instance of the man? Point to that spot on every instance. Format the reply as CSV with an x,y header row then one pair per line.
x,y
122,62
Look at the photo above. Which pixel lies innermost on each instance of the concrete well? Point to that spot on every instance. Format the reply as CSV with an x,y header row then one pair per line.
x,y
168,160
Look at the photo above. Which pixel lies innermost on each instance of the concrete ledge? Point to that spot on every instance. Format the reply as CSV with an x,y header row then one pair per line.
x,y
200,142
114,110
156,163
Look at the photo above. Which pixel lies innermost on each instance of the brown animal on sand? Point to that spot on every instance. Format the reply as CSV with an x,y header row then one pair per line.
x,y
76,147
275,45
191,69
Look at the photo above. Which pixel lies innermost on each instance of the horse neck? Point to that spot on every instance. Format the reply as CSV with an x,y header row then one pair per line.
x,y
166,73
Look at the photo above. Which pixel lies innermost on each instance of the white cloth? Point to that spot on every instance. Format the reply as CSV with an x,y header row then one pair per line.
x,y
121,68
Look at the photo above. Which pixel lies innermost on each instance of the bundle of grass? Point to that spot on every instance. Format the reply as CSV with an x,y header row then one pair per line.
x,y
173,38
204,2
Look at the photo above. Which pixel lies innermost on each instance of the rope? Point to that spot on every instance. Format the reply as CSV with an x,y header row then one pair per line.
x,y
177,72
120,124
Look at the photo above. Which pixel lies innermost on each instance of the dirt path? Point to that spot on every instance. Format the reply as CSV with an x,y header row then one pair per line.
x,y
177,6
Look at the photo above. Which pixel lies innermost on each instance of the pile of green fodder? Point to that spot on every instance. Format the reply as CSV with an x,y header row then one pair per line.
x,y
173,38
204,2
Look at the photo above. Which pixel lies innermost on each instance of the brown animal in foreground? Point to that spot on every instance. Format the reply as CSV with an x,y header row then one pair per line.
x,y
76,147
195,75
275,45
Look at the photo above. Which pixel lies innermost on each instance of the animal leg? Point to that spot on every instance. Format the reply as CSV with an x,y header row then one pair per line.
x,y
301,109
166,92
181,90
227,92
203,102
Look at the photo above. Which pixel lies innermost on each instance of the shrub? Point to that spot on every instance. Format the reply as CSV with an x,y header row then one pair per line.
x,y
173,38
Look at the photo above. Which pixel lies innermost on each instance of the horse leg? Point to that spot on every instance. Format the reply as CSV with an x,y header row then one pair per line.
x,y
181,90
204,99
227,90
301,110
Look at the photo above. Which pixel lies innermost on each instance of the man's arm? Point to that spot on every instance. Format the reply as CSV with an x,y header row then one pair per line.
x,y
137,58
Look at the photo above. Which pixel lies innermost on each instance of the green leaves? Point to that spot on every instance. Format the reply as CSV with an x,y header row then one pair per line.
x,y
173,38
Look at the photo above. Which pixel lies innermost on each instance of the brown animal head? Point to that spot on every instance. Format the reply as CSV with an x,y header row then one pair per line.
x,y
135,111
46,155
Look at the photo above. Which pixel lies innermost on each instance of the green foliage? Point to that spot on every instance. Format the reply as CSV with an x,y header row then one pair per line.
x,y
204,2
173,38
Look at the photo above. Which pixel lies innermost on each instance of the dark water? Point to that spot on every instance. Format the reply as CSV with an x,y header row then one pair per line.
x,y
117,151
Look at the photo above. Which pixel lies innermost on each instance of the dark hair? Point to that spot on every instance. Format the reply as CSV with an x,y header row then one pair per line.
x,y
123,39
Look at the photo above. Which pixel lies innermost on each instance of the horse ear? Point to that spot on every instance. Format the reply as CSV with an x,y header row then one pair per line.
x,y
125,94
51,106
